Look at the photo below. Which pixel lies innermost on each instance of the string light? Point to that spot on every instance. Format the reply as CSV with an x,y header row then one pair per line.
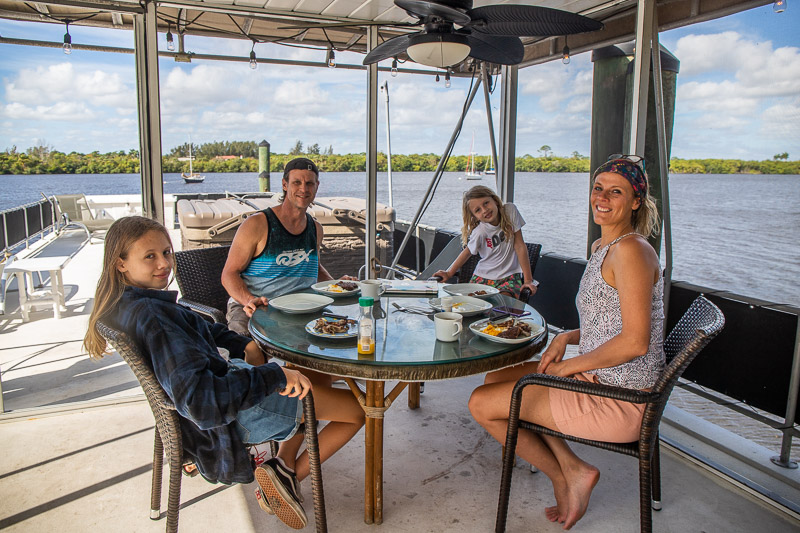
x,y
779,6
394,68
447,79
253,62
331,59
437,77
565,52
67,41
170,41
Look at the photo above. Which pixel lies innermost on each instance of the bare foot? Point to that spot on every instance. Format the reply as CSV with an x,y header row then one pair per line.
x,y
558,512
580,483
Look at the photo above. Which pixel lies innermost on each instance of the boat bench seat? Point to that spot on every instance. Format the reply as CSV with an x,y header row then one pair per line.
x,y
55,252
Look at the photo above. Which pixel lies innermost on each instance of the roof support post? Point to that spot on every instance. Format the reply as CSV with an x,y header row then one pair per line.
x,y
146,54
508,133
641,76
663,159
371,237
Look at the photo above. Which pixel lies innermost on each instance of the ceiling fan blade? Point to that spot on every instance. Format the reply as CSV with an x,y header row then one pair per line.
x,y
387,49
522,20
498,49
426,8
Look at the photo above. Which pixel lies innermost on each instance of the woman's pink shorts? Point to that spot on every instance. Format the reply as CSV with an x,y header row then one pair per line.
x,y
595,417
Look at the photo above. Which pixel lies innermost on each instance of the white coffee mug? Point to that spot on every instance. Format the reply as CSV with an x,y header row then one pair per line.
x,y
447,303
370,288
448,326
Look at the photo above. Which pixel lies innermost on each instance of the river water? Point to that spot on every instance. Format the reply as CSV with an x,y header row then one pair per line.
x,y
730,232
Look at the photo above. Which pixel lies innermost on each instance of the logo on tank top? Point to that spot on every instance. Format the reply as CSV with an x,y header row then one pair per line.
x,y
293,257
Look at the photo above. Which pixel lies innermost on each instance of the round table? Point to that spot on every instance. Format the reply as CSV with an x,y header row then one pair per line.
x,y
406,350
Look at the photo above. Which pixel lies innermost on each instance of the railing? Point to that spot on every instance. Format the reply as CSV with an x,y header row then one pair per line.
x,y
21,226
755,360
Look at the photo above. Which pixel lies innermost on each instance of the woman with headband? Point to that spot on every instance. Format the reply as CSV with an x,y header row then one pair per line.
x,y
620,303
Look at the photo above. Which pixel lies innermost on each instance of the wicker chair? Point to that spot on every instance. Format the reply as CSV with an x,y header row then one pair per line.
x,y
465,273
701,323
168,435
199,276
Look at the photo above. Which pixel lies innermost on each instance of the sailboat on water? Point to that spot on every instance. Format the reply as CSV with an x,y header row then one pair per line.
x,y
489,170
191,177
470,172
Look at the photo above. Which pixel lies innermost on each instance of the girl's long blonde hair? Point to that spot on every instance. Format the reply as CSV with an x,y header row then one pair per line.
x,y
119,239
470,222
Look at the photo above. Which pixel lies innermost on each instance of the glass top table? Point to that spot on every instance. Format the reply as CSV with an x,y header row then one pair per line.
x,y
406,350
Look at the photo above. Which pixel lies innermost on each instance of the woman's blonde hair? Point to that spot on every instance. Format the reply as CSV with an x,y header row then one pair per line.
x,y
119,239
470,222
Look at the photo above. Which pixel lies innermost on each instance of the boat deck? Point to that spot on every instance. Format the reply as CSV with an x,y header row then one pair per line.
x,y
82,466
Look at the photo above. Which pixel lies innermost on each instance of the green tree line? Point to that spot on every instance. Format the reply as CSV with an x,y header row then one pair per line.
x,y
45,160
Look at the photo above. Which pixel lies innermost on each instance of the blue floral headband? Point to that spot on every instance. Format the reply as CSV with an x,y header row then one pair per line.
x,y
629,170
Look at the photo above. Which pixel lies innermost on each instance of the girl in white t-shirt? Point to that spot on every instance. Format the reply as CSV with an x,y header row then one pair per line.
x,y
493,231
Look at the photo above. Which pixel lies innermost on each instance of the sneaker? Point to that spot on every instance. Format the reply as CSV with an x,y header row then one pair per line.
x,y
295,485
279,491
262,502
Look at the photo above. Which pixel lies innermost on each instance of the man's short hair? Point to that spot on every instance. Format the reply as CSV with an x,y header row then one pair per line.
x,y
300,163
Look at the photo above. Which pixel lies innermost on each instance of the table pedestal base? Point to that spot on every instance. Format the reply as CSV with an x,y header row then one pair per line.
x,y
374,405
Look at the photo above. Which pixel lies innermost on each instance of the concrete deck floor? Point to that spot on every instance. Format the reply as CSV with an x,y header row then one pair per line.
x,y
88,467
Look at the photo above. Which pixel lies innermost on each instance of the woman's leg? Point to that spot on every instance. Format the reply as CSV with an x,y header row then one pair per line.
x,y
345,416
572,478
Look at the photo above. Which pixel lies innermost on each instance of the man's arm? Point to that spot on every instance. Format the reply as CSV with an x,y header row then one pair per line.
x,y
322,272
243,250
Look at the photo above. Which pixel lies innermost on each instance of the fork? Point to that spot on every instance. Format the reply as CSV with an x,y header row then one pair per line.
x,y
414,310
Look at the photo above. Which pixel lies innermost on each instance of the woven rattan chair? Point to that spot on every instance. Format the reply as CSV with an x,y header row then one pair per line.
x,y
199,276
701,323
467,269
168,435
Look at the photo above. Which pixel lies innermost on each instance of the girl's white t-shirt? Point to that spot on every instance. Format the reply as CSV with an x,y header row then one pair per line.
x,y
498,259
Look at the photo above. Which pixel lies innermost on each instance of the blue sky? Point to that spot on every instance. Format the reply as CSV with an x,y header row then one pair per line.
x,y
738,96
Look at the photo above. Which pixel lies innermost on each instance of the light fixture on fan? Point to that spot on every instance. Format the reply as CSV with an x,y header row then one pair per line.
x,y
438,49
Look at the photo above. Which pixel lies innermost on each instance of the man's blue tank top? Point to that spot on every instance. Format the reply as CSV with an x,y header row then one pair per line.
x,y
288,263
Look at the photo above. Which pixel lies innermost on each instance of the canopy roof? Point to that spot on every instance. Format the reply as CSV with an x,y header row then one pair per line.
x,y
268,20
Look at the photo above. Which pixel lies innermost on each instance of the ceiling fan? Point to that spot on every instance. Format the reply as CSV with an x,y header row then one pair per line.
x,y
489,33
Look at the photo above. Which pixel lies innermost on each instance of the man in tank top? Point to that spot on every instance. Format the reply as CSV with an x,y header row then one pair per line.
x,y
275,251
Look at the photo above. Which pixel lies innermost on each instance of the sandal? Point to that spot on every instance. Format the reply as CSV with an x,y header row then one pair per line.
x,y
189,469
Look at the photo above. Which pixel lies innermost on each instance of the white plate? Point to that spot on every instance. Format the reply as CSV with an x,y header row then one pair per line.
x,y
300,303
467,289
465,305
351,332
322,288
476,328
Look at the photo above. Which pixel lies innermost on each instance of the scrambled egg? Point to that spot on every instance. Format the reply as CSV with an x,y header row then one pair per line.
x,y
334,288
492,330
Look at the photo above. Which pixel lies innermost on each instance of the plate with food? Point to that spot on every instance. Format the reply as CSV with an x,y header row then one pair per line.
x,y
464,305
475,290
337,288
300,303
333,327
509,331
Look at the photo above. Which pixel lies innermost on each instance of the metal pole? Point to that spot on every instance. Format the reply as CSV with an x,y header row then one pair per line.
x,y
437,173
145,37
641,76
385,90
784,459
263,166
487,99
508,134
663,162
371,245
